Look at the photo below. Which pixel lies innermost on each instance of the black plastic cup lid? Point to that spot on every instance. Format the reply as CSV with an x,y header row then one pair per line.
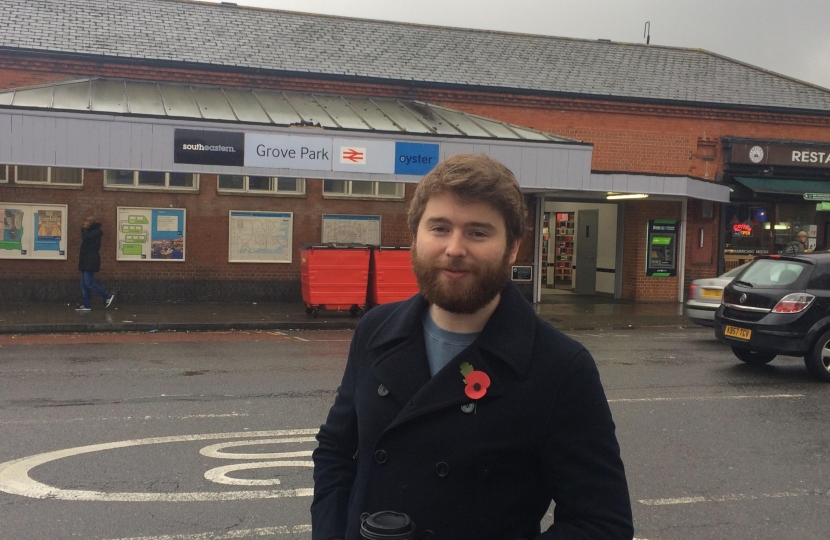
x,y
387,526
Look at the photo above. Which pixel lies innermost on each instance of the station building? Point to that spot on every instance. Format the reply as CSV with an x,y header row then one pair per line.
x,y
213,140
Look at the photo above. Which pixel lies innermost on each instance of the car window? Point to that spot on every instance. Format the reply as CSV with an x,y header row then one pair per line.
x,y
821,277
735,271
772,273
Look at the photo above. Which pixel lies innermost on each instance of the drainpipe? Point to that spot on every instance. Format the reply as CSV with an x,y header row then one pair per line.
x,y
681,262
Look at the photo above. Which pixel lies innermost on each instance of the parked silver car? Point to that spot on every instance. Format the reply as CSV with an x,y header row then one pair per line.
x,y
705,296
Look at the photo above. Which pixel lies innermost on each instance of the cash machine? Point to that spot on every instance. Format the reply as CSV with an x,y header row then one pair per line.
x,y
661,248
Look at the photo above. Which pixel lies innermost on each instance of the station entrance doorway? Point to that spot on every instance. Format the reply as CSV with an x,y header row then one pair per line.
x,y
581,250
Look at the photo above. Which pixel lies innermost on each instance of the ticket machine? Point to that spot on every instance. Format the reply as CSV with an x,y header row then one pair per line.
x,y
661,248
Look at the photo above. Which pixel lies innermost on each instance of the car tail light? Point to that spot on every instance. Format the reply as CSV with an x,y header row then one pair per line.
x,y
793,303
692,289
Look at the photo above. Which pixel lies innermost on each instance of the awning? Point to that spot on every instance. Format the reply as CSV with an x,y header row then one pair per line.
x,y
124,97
782,186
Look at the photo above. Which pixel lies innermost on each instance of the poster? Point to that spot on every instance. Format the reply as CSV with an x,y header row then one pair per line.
x,y
348,229
33,231
151,234
260,237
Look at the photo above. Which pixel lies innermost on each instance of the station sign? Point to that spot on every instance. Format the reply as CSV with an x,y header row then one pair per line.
x,y
201,147
415,158
522,273
288,152
817,196
304,153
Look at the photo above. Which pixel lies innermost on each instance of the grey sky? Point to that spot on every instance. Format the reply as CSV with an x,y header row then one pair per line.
x,y
788,37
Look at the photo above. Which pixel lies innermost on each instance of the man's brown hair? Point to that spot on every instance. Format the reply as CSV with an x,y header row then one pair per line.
x,y
473,179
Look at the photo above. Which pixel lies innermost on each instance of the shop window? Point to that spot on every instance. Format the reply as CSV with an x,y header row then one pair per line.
x,y
4,174
261,184
360,188
25,174
747,230
759,228
151,179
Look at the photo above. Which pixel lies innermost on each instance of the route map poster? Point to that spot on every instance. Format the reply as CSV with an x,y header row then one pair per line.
x,y
347,229
260,237
151,234
32,231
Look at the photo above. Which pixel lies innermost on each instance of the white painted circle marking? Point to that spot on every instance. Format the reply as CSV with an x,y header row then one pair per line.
x,y
14,475
214,450
219,474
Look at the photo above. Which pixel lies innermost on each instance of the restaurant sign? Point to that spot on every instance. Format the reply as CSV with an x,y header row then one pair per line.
x,y
781,153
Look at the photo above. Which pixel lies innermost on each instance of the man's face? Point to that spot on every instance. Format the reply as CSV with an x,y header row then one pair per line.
x,y
802,237
460,255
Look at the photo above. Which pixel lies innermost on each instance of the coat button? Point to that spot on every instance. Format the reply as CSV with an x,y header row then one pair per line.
x,y
427,535
442,469
382,391
380,456
468,407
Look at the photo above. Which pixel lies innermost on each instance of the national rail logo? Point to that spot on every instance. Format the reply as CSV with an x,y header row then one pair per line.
x,y
349,154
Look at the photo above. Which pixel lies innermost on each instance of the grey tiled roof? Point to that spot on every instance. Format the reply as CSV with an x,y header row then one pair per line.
x,y
227,35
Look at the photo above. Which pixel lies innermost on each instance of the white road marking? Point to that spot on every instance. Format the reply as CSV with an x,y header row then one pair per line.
x,y
259,532
728,498
283,334
703,398
214,450
125,418
14,475
219,474
601,336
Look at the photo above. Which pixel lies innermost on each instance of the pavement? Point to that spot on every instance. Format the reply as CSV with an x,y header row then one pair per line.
x,y
564,311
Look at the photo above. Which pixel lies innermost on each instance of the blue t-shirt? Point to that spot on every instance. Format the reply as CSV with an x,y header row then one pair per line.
x,y
443,346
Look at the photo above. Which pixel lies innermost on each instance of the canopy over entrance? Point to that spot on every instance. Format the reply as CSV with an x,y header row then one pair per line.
x,y
784,186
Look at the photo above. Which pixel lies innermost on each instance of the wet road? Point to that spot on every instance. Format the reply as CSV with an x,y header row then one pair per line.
x,y
207,435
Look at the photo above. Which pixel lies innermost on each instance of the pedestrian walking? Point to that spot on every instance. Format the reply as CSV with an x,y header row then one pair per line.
x,y
460,407
89,262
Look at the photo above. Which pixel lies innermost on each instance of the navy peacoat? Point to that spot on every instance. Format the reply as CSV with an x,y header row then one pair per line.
x,y
398,439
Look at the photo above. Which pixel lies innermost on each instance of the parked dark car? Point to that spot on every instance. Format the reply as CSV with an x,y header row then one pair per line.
x,y
779,304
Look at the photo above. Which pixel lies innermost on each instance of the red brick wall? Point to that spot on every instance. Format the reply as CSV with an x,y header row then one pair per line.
x,y
635,284
206,249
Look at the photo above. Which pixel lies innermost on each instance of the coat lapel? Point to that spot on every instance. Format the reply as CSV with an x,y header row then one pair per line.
x,y
403,368
446,388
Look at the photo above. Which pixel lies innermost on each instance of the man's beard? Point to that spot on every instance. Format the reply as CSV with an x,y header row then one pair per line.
x,y
454,297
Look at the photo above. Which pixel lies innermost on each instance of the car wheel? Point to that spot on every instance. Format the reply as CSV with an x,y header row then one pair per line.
x,y
818,359
756,358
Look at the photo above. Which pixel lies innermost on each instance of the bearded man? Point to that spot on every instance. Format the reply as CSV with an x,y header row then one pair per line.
x,y
461,408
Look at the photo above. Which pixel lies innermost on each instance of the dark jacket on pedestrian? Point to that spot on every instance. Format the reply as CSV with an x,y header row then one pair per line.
x,y
794,248
396,439
90,259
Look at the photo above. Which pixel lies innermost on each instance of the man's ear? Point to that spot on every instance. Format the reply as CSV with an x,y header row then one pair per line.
x,y
514,251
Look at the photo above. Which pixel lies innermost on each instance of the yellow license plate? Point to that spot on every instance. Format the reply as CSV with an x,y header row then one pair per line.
x,y
739,333
711,293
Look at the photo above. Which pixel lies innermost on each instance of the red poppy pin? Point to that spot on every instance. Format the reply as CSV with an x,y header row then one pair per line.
x,y
477,381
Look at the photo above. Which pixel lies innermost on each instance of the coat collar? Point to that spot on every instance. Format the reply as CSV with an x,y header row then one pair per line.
x,y
508,334
403,369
